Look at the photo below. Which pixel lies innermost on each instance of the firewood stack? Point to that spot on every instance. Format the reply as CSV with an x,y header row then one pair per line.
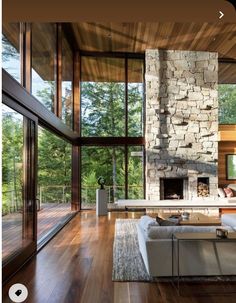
x,y
203,190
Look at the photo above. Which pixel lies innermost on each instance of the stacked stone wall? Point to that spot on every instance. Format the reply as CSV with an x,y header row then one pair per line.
x,y
181,118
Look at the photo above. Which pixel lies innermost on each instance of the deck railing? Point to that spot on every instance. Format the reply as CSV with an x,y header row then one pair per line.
x,y
12,200
88,193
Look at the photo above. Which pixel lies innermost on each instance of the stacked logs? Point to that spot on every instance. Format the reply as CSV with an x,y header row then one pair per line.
x,y
203,190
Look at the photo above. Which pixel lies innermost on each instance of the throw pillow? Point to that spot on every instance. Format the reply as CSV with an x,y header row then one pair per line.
x,y
163,222
221,192
228,191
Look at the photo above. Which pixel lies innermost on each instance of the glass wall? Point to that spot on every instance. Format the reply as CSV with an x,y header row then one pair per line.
x,y
108,162
54,181
112,102
103,97
44,48
227,103
67,80
11,61
15,235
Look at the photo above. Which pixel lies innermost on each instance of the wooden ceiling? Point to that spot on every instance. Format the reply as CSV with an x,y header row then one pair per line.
x,y
133,38
137,37
103,69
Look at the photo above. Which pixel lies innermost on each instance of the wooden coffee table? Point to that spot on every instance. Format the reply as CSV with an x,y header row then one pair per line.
x,y
195,219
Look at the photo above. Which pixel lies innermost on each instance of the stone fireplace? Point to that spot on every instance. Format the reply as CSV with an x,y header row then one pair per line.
x,y
181,123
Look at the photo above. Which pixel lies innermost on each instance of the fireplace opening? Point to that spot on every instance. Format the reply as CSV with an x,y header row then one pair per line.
x,y
173,188
203,189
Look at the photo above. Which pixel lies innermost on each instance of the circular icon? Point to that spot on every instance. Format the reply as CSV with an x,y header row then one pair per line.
x,y
18,293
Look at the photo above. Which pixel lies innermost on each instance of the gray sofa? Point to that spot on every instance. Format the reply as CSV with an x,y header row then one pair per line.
x,y
198,258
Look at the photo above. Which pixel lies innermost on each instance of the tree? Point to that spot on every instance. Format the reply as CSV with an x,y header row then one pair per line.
x,y
103,115
54,166
227,107
12,159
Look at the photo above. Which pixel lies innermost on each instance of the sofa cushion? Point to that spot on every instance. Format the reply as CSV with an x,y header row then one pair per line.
x,y
229,220
146,222
166,232
163,222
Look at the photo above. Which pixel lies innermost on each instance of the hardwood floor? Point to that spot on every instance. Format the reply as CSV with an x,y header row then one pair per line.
x,y
76,267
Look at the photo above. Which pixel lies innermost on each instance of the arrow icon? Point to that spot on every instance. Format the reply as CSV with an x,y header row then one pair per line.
x,y
221,14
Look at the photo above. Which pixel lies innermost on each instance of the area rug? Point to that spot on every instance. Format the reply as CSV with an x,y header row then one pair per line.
x,y
128,263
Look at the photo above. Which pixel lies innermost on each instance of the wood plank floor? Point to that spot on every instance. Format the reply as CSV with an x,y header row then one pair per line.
x,y
76,267
49,216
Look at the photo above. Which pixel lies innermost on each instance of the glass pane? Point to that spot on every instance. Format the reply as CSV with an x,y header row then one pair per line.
x,y
103,97
13,228
54,181
67,78
102,161
11,49
135,98
227,103
44,63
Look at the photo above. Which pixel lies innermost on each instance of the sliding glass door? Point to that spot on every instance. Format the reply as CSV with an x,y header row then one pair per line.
x,y
18,186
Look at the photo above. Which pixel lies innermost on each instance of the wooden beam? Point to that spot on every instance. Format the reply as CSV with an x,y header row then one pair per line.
x,y
109,141
227,132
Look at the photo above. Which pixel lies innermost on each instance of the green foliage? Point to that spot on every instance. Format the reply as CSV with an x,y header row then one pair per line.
x,y
103,109
46,95
12,159
227,103
54,167
103,115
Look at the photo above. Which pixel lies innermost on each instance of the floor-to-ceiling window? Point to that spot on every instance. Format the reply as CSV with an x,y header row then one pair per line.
x,y
54,181
12,180
18,158
37,168
112,122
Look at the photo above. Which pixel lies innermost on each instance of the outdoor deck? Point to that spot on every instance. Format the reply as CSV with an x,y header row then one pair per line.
x,y
48,217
